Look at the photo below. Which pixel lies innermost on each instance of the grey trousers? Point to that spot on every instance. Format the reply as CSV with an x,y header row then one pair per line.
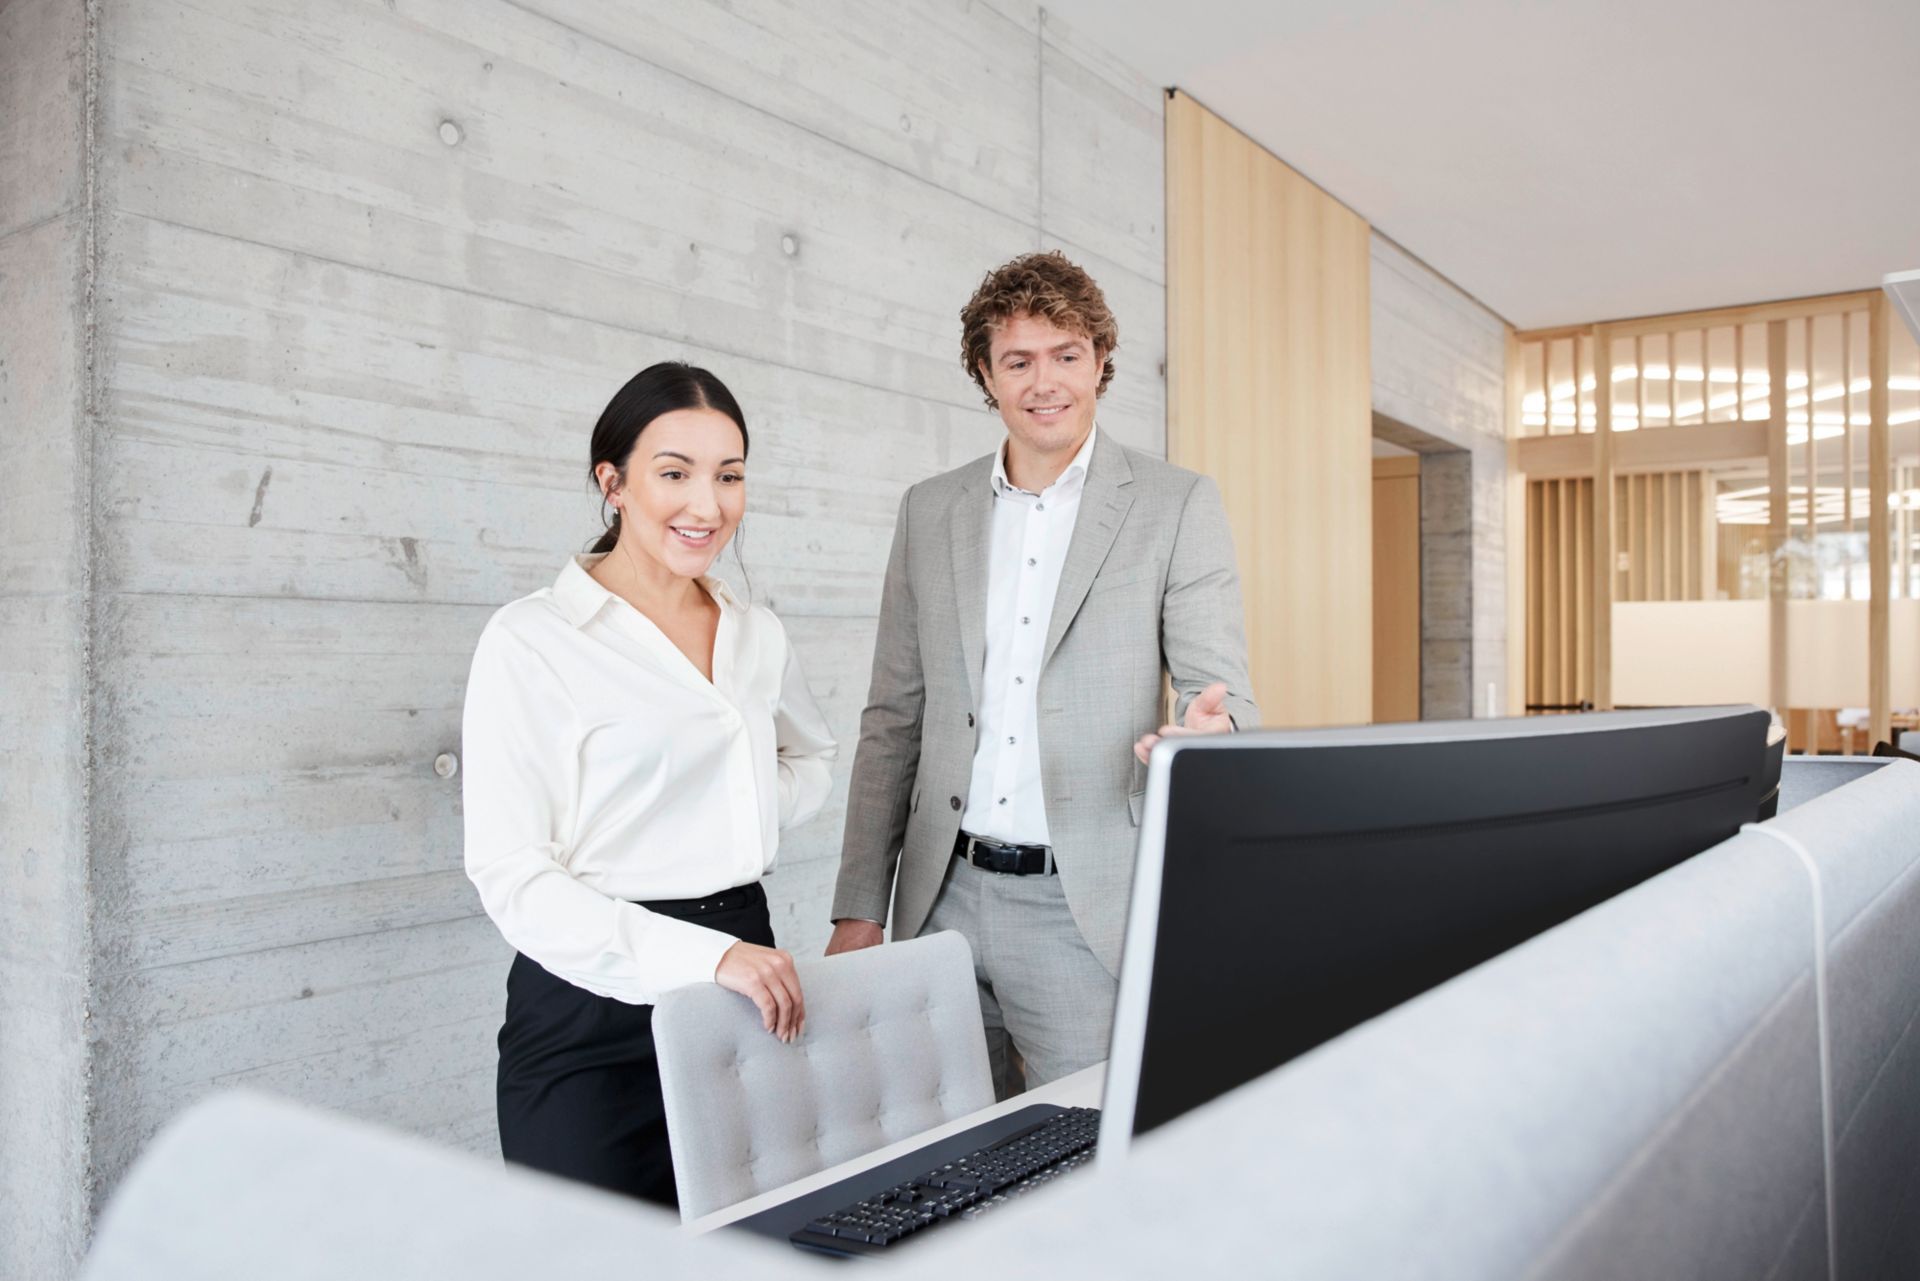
x,y
1043,993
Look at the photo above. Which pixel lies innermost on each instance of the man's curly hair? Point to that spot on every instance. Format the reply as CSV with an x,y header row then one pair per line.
x,y
1047,287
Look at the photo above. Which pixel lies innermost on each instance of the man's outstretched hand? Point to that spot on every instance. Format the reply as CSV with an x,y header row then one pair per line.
x,y
1206,714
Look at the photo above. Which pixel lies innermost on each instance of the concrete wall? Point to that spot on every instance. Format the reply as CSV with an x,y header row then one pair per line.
x,y
368,273
44,555
1439,382
1446,586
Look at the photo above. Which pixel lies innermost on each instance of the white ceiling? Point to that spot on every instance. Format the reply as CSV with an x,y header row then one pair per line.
x,y
1571,162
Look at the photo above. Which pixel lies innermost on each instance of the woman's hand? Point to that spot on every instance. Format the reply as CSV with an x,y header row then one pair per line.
x,y
765,976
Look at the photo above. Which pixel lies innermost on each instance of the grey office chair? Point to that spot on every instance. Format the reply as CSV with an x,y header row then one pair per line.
x,y
893,1046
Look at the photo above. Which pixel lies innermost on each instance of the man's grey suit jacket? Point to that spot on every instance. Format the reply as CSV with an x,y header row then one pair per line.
x,y
1149,579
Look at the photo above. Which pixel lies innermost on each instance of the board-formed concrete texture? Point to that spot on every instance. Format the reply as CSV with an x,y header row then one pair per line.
x,y
45,489
308,309
364,276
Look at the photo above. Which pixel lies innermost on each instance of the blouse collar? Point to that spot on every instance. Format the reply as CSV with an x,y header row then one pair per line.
x,y
580,596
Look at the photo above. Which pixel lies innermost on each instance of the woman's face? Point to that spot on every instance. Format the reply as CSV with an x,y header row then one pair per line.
x,y
685,490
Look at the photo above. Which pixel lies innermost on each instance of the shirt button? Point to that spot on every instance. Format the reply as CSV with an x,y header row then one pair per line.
x,y
1032,561
1009,740
1019,680
1003,800
1025,620
1039,507
954,801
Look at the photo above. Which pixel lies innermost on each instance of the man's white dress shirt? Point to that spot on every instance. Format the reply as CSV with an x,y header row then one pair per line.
x,y
1026,550
602,767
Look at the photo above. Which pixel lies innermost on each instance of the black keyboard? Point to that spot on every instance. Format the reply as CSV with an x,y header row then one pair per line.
x,y
962,1188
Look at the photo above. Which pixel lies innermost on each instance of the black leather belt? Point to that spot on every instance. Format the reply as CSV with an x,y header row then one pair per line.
x,y
1008,860
751,894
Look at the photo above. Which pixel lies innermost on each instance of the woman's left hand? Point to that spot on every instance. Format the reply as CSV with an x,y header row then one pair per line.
x,y
765,976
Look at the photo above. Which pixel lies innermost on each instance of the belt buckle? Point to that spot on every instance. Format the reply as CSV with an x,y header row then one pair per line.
x,y
978,855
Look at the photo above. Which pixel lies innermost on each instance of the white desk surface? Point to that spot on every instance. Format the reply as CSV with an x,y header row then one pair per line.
x,y
1081,1090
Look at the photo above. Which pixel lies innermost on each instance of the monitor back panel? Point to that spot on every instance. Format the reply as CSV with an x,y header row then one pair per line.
x,y
1306,889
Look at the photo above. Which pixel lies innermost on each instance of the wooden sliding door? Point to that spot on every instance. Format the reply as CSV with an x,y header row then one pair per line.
x,y
1269,393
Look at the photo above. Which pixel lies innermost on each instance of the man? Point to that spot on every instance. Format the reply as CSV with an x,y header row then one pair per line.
x,y
1033,599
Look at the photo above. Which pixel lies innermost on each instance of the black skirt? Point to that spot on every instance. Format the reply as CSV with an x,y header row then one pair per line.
x,y
579,1086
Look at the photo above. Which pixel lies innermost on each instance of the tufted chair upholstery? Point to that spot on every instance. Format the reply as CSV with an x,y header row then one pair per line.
x,y
893,1046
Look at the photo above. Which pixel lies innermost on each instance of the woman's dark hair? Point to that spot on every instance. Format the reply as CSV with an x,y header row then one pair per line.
x,y
656,390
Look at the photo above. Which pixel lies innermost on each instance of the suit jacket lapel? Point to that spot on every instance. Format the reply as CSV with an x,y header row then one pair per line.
x,y
1103,505
970,537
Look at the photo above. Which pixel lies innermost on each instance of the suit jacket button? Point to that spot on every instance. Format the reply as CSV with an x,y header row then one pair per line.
x,y
954,801
969,720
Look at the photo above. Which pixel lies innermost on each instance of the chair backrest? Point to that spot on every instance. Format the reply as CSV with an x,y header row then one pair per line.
x,y
893,1046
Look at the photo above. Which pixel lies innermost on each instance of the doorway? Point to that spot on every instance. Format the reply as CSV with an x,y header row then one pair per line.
x,y
1396,583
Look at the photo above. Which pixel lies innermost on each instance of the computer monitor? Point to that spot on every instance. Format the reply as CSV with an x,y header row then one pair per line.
x,y
1291,885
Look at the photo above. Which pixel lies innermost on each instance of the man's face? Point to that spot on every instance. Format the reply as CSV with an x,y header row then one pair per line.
x,y
1047,381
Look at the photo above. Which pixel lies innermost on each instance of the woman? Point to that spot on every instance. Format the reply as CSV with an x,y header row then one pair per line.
x,y
635,737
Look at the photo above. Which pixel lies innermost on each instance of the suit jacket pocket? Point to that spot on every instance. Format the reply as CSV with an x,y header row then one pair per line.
x,y
1124,578
913,804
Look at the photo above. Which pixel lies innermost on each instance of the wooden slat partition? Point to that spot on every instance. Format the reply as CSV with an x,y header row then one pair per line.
x,y
1706,376
1639,383
1269,393
1602,575
1536,563
1565,507
1583,590
1777,582
1673,381
1517,527
1675,563
1559,572
1664,517
1846,439
1879,479
1666,535
1757,313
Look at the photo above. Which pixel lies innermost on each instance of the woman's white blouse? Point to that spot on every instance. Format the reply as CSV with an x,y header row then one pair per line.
x,y
601,767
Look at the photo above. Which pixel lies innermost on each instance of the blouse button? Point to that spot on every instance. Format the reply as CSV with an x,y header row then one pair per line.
x,y
954,801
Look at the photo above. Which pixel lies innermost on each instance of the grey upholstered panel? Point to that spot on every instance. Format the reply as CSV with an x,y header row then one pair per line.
x,y
1634,1094
893,1046
1804,777
244,1187
1909,740
1865,841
